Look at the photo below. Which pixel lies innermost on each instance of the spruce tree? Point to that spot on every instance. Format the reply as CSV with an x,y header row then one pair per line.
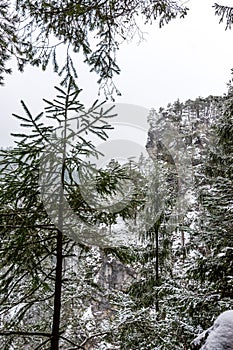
x,y
38,243
216,196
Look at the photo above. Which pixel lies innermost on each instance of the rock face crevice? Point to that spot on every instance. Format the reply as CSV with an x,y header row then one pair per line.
x,y
114,275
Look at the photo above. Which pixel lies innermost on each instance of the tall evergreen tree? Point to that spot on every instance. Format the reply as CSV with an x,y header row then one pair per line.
x,y
37,245
215,267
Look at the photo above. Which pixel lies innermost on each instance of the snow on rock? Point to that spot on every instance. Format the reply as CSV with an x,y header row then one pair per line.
x,y
218,337
88,315
200,340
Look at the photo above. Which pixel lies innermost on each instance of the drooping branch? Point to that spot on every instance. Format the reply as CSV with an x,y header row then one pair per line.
x,y
225,13
38,28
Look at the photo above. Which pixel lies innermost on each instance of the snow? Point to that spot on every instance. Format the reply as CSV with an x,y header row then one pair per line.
x,y
220,255
218,337
88,315
221,337
198,341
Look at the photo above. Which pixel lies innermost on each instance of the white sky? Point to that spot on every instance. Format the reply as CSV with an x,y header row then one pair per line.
x,y
185,59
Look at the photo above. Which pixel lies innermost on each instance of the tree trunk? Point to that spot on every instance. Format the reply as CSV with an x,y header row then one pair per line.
x,y
157,266
57,297
59,256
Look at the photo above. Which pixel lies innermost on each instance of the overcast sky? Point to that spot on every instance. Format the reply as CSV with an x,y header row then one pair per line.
x,y
185,59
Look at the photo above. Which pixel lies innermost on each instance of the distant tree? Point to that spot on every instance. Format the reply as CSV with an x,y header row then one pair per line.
x,y
217,200
170,297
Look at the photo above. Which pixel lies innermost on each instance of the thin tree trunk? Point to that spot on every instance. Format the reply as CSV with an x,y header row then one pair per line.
x,y
59,246
59,268
157,266
57,297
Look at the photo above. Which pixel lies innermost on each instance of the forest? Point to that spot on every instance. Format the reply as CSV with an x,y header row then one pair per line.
x,y
128,256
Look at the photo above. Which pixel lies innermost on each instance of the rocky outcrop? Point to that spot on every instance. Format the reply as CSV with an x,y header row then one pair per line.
x,y
113,275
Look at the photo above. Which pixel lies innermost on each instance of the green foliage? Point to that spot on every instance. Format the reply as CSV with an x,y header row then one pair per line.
x,y
225,13
182,287
108,187
29,237
216,267
8,37
95,29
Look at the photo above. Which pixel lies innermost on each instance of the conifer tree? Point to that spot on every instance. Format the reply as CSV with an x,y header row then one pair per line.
x,y
38,243
215,267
